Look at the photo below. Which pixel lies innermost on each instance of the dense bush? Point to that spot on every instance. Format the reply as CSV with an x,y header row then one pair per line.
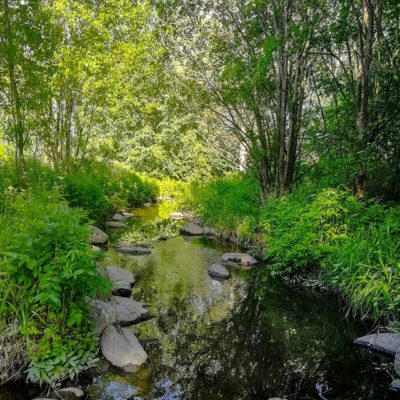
x,y
47,269
319,228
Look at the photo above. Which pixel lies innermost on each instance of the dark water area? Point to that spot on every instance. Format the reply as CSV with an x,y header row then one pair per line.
x,y
250,337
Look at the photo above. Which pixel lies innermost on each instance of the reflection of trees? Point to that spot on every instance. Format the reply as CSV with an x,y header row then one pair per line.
x,y
273,343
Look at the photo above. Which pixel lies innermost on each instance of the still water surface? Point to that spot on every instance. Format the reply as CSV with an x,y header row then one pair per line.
x,y
250,337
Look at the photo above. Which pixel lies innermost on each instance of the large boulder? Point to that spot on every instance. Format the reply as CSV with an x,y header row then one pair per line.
x,y
121,279
218,271
115,224
97,236
134,250
239,258
191,229
387,343
128,311
122,349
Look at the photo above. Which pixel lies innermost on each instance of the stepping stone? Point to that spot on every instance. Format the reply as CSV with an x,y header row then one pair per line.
x,y
176,215
127,215
103,315
97,236
135,250
115,224
127,311
118,217
240,258
191,229
387,343
122,280
218,271
122,349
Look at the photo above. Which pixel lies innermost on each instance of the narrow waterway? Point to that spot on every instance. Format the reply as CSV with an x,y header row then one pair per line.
x,y
250,337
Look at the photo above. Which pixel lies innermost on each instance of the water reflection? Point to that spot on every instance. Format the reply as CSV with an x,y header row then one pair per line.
x,y
246,338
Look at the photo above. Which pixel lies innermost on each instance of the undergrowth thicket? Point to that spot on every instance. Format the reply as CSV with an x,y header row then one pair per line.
x,y
319,229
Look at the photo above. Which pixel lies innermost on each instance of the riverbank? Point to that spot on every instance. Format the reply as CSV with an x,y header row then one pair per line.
x,y
319,230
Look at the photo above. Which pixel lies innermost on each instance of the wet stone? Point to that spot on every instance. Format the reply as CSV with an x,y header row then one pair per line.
x,y
128,311
218,271
122,280
134,250
387,343
240,258
122,349
191,229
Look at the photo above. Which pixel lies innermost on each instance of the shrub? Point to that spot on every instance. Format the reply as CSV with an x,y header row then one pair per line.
x,y
47,270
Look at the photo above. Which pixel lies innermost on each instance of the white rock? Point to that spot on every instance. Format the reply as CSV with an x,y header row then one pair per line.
x,y
176,215
122,349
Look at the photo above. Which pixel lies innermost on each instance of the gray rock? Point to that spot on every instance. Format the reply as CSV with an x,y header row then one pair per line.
x,y
127,215
395,386
240,258
387,343
176,215
96,249
103,314
97,236
218,271
115,224
122,349
397,363
128,311
191,229
118,217
121,279
134,250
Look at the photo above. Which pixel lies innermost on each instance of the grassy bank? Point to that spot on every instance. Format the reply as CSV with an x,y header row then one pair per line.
x,y
48,268
321,229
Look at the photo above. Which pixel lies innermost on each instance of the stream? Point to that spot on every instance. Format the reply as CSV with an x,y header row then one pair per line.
x,y
250,337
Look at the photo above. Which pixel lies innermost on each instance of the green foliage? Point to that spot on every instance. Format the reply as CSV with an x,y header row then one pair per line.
x,y
47,270
176,192
229,205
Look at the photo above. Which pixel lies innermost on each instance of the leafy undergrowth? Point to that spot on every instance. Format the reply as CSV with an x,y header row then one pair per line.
x,y
319,228
47,270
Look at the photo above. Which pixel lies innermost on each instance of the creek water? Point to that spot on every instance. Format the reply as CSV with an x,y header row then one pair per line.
x,y
250,337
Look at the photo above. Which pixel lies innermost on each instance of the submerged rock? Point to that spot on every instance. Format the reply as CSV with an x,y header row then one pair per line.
x,y
118,217
218,271
115,224
97,236
387,343
115,391
191,229
134,250
176,215
240,258
122,280
128,311
122,349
